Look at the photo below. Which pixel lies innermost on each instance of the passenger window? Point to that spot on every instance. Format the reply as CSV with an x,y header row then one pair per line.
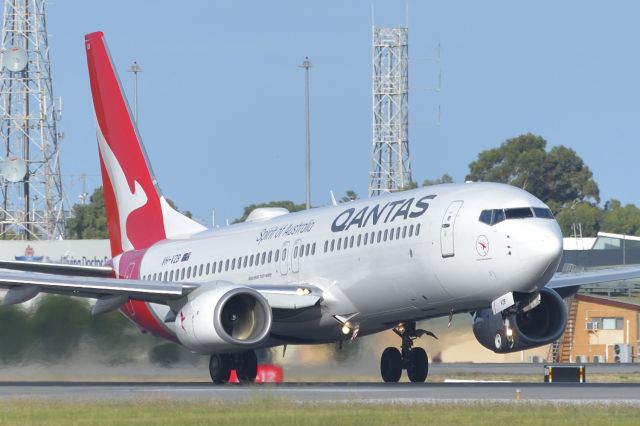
x,y
182,272
154,276
339,243
351,241
213,269
411,231
379,236
270,255
359,240
398,233
313,249
201,268
264,256
306,253
386,232
417,230
226,265
284,254
326,245
302,251
404,231
251,261
391,232
164,276
372,238
277,254
295,252
332,244
366,237
208,268
345,243
245,261
171,276
220,266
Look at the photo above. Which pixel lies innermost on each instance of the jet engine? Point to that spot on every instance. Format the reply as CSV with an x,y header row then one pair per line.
x,y
224,318
539,326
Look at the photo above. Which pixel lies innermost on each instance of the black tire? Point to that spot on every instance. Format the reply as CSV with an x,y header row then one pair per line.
x,y
418,365
247,367
391,365
220,368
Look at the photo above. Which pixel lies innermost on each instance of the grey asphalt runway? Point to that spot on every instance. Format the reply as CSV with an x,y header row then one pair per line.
x,y
317,392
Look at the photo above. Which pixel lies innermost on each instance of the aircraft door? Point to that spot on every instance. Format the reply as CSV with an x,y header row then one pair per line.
x,y
284,255
295,258
447,229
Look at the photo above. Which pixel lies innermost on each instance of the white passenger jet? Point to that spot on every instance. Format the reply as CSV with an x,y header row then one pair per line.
x,y
318,276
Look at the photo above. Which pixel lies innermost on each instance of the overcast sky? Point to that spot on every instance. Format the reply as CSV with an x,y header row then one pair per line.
x,y
222,97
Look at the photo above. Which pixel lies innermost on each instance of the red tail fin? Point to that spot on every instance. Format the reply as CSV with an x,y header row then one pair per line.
x,y
137,214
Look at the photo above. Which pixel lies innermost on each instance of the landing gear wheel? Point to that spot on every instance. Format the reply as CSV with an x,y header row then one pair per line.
x,y
247,367
418,365
220,368
391,365
502,341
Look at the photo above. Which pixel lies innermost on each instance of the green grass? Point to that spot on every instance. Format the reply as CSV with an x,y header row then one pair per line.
x,y
266,412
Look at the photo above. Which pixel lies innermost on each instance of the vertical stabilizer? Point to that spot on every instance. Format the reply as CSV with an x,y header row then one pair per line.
x,y
137,214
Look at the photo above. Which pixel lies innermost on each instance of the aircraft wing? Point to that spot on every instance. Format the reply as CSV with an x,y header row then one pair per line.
x,y
57,268
112,293
566,280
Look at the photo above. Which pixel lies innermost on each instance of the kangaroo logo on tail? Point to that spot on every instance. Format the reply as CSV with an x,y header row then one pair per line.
x,y
137,214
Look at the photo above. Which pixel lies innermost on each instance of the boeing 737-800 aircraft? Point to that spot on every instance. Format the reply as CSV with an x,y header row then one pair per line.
x,y
322,275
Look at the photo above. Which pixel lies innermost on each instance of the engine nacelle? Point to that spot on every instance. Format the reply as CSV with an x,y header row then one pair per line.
x,y
540,326
225,318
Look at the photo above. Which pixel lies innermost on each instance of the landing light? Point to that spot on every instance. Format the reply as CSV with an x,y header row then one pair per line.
x,y
346,329
509,332
400,328
303,292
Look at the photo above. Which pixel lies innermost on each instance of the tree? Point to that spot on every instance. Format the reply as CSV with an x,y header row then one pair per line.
x,y
89,220
621,220
289,205
587,215
15,334
349,196
558,177
444,179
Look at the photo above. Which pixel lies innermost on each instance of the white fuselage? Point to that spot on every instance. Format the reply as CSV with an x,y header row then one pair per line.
x,y
424,260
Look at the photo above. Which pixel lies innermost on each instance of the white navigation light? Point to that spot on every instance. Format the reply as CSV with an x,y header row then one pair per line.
x,y
15,59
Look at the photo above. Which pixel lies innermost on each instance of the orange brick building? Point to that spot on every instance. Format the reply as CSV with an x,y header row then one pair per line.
x,y
601,330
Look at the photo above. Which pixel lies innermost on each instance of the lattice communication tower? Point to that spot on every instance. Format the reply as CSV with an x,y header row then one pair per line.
x,y
31,198
390,159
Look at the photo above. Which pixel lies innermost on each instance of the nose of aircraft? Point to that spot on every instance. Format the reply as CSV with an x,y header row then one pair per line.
x,y
542,249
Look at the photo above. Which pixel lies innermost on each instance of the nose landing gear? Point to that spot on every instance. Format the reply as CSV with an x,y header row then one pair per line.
x,y
414,360
504,337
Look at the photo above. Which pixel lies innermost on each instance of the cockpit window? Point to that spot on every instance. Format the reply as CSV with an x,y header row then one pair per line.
x,y
518,213
542,213
491,217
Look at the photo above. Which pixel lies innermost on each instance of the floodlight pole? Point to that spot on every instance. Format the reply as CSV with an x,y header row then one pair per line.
x,y
135,69
306,65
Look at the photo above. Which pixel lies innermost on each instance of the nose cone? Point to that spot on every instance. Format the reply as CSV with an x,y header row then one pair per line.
x,y
542,251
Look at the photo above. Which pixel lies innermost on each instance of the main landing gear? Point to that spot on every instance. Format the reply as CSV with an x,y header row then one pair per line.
x,y
414,360
245,363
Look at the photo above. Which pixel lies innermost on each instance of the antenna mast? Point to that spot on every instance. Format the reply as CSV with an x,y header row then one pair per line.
x,y
31,196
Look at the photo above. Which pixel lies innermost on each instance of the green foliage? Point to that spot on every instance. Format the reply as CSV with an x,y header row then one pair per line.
x,y
409,185
586,214
349,196
289,205
559,176
445,178
165,354
15,334
89,221
59,323
621,219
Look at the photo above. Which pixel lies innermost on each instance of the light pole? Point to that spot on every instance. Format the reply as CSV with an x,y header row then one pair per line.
x,y
306,65
135,69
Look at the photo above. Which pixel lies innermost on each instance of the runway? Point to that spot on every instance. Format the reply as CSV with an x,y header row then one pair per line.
x,y
328,392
